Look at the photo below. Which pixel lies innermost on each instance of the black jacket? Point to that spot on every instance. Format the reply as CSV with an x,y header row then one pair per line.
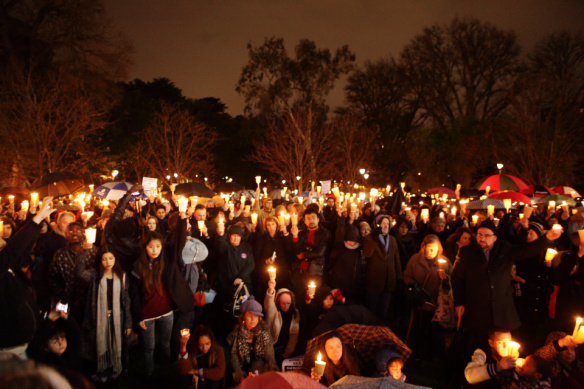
x,y
315,255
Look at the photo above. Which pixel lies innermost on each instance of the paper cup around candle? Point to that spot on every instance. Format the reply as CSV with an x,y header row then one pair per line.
x,y
527,211
185,331
496,222
172,187
311,288
254,218
550,254
24,206
441,263
183,204
294,219
34,200
557,227
318,189
1,228
565,208
552,205
581,235
272,273
319,365
201,224
475,219
507,204
258,180
11,199
425,213
578,321
579,338
490,209
300,198
90,235
513,349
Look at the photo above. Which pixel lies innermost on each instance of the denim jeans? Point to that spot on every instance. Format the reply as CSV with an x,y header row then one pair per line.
x,y
162,325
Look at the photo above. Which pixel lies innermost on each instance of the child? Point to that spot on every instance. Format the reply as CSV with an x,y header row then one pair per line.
x,y
394,368
533,373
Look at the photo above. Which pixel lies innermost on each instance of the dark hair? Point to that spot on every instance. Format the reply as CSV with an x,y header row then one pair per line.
x,y
193,344
56,332
200,206
348,364
160,206
392,360
458,234
542,366
117,269
403,220
75,224
310,211
152,276
498,329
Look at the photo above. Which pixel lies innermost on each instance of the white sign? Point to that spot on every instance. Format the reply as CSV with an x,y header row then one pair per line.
x,y
326,186
148,183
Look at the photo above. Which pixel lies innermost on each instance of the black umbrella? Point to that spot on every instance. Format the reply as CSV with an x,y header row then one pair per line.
x,y
57,184
396,200
228,187
189,189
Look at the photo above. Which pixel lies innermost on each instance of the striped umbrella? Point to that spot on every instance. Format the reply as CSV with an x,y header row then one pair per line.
x,y
515,197
114,190
566,191
500,182
558,199
482,204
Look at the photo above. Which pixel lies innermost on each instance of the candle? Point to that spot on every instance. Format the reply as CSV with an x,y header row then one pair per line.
x,y
403,185
336,192
24,206
201,224
453,210
34,200
183,204
444,197
321,201
579,338
581,235
552,205
550,254
490,209
496,222
300,198
287,219
458,186
513,349
88,214
565,208
281,219
272,273
441,215
527,210
11,199
172,187
312,184
294,219
578,321
441,263
353,207
507,204
1,228
242,199
373,192
220,225
425,214
487,190
90,235
319,365
318,189
185,332
557,227
254,218
311,288
387,189
475,219
258,180
231,207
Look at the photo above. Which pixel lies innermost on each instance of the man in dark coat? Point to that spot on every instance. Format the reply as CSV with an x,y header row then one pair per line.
x,y
481,280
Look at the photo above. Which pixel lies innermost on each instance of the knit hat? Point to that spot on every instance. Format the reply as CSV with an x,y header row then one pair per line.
x,y
379,218
352,234
252,306
236,230
488,223
537,228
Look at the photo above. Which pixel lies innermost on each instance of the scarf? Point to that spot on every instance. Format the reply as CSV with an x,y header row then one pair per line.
x,y
244,345
384,242
109,340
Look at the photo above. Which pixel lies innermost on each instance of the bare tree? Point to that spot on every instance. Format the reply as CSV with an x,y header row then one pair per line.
x,y
177,143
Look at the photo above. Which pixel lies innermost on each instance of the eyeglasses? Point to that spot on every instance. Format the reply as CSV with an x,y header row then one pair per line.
x,y
485,235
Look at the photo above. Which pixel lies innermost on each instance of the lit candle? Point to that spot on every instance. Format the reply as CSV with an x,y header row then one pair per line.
x,y
1,228
490,209
387,189
521,216
496,222
557,227
300,198
458,186
487,190
90,235
403,185
581,235
453,210
441,263
11,199
513,349
272,273
318,189
242,200
201,224
231,207
441,215
24,206
185,332
527,210
88,214
34,200
578,321
550,254
336,192
321,201
552,205
311,288
475,219
294,219
579,338
258,180
172,187
319,365
373,192
507,204
287,219
425,214
281,219
183,204
254,218
220,225
353,207
565,208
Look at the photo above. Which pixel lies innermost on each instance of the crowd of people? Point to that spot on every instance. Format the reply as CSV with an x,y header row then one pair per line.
x,y
221,292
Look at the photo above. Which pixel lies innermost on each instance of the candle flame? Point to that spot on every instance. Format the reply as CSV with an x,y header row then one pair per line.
x,y
319,358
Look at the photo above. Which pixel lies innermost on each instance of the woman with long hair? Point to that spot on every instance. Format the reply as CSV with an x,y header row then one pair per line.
x,y
201,360
160,288
107,318
338,358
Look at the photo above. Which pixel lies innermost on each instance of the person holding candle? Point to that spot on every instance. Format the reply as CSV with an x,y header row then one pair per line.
x,y
461,237
383,268
338,358
201,360
567,299
282,319
561,351
252,349
159,288
71,270
107,319
481,280
265,211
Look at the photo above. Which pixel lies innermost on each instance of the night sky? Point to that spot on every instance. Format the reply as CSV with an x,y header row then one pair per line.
x,y
201,45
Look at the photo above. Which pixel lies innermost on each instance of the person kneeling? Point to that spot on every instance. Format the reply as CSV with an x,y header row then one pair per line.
x,y
339,361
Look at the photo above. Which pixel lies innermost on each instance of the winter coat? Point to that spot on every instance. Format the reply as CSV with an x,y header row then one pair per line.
x,y
383,269
70,359
234,262
122,236
315,255
419,268
274,320
484,288
346,269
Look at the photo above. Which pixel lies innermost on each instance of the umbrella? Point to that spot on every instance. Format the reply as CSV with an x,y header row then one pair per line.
x,y
364,341
440,191
276,193
279,380
501,182
189,189
57,184
558,199
358,382
482,204
228,187
565,190
515,197
536,191
396,200
347,314
248,193
113,190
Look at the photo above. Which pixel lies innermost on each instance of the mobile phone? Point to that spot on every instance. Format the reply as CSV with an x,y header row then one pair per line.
x,y
62,307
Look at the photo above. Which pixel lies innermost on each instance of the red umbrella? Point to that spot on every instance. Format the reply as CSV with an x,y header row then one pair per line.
x,y
278,380
565,191
440,190
516,197
501,182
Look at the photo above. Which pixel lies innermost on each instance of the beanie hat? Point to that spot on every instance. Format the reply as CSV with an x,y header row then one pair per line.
x,y
490,225
537,228
235,230
252,306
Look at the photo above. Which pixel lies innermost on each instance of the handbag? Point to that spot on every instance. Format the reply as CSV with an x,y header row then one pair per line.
x,y
239,297
445,313
416,296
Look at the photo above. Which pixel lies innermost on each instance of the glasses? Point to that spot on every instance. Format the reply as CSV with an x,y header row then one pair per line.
x,y
485,235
